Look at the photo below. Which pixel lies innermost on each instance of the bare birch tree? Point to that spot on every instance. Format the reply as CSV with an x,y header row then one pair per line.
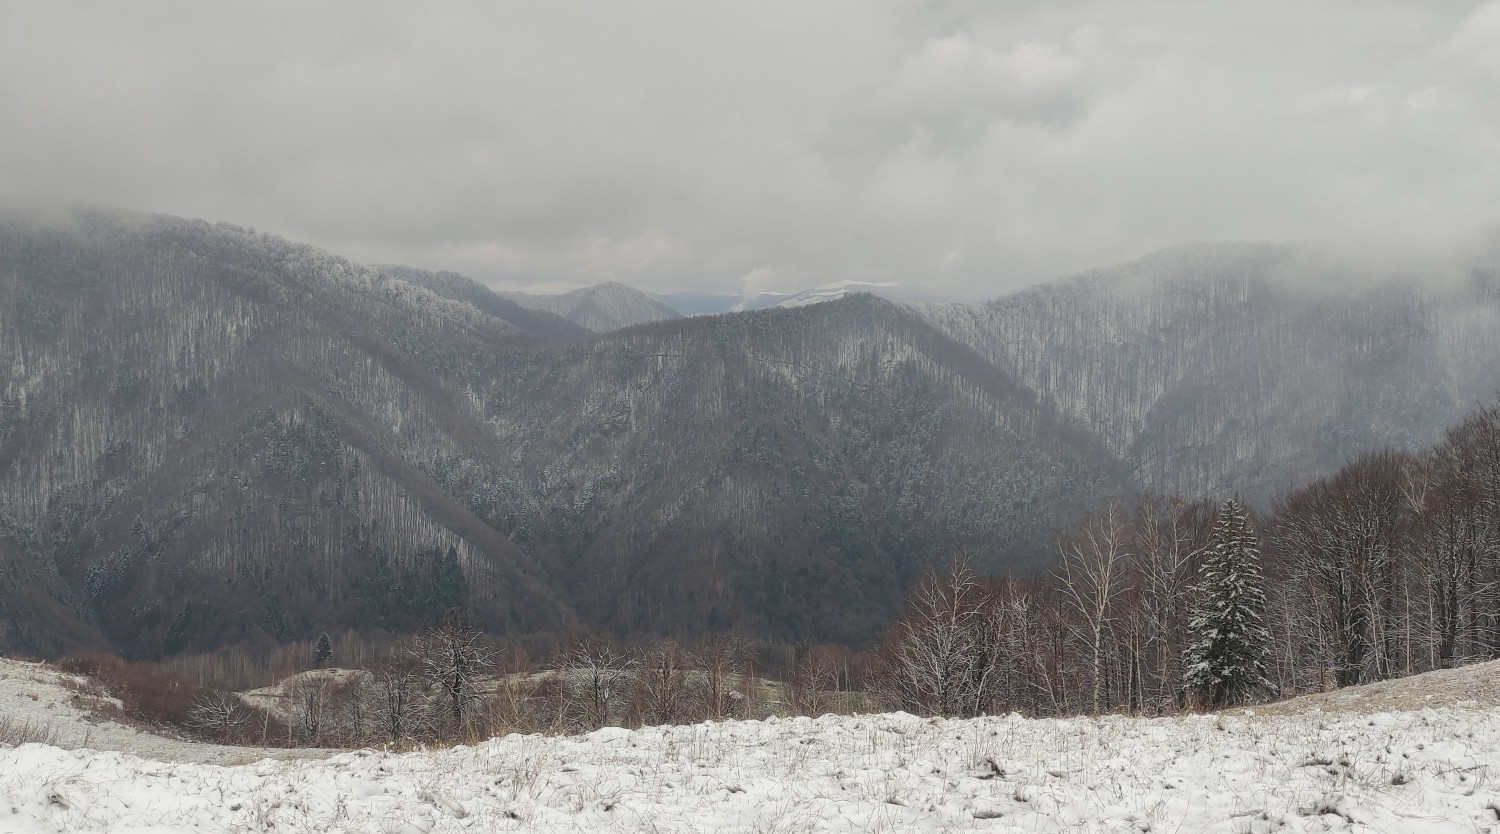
x,y
933,662
1093,574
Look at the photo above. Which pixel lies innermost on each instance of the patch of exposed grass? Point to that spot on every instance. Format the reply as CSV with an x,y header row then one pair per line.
x,y
14,732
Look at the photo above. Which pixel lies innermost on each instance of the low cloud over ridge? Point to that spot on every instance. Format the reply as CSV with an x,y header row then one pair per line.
x,y
966,148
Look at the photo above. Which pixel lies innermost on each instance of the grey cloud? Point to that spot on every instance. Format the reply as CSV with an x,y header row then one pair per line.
x,y
965,147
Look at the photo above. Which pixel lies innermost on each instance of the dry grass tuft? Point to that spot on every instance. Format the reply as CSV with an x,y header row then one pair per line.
x,y
14,733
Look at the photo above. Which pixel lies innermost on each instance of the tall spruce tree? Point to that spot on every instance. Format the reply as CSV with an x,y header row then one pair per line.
x,y
1225,662
324,651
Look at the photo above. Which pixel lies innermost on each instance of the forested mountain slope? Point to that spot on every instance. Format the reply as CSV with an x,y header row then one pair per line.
x,y
601,308
457,287
206,435
785,470
1216,369
209,436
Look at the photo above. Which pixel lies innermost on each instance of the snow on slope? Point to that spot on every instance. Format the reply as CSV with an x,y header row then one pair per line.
x,y
829,292
38,696
702,303
1426,770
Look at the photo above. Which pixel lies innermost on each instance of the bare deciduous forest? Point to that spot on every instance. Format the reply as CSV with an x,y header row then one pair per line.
x,y
1387,568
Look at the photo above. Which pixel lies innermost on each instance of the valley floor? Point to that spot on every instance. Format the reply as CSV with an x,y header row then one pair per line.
x,y
1424,764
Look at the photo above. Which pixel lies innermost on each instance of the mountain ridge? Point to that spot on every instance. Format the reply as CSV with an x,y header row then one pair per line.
x,y
212,437
451,285
215,437
601,308
1318,366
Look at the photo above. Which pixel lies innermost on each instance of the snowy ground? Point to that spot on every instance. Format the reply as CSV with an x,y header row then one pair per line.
x,y
1432,769
59,706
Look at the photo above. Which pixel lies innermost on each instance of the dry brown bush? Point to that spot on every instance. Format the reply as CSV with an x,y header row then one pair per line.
x,y
152,697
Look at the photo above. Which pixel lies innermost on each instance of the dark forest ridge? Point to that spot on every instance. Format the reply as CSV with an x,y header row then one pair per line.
x,y
211,436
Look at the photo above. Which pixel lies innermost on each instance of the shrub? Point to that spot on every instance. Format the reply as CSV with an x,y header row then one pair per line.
x,y
151,696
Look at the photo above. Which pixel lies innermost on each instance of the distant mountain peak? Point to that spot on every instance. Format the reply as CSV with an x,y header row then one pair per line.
x,y
830,292
543,324
708,303
601,308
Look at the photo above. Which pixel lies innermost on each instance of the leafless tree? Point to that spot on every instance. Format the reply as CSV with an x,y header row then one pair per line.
x,y
452,658
1339,537
1468,464
661,692
722,659
1015,613
811,683
399,683
934,660
1093,574
598,673
354,708
1169,533
306,697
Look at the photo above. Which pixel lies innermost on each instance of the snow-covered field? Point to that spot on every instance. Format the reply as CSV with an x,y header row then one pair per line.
x,y
1431,769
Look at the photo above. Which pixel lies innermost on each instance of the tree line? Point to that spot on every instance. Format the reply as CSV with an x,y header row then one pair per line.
x,y
1156,605
1389,567
452,683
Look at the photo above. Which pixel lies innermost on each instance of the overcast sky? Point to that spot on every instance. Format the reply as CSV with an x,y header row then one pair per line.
x,y
964,147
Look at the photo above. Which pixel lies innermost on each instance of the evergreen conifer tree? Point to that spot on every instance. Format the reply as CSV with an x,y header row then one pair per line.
x,y
1225,662
324,650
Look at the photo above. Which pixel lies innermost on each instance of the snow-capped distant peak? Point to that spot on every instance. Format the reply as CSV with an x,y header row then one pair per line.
x,y
830,292
708,303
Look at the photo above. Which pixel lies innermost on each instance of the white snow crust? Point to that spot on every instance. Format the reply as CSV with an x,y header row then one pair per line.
x,y
830,292
1425,770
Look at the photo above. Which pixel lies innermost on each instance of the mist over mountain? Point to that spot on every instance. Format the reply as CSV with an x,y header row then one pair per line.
x,y
535,320
211,436
1246,368
696,303
693,303
601,308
